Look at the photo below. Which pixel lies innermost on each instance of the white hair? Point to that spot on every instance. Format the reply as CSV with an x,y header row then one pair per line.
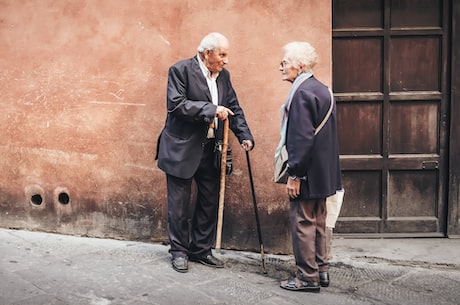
x,y
301,54
212,41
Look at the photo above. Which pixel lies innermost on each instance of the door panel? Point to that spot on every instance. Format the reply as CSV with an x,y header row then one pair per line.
x,y
416,13
358,73
414,64
366,127
389,79
413,194
413,127
357,13
365,196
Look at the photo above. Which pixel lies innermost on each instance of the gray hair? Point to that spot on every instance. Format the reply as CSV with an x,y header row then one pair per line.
x,y
212,41
301,54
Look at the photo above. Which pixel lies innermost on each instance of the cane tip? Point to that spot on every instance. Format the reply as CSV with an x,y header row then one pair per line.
x,y
264,270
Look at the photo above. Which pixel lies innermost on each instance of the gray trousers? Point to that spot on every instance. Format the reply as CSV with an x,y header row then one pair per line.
x,y
308,226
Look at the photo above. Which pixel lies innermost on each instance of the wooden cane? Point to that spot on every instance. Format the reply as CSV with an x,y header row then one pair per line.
x,y
223,168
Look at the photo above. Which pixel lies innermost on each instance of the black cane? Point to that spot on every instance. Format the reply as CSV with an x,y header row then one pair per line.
x,y
256,213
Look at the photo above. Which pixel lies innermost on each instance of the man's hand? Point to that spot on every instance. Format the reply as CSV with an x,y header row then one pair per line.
x,y
247,145
222,113
293,188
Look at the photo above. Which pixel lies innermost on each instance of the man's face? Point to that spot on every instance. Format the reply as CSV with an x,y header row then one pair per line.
x,y
288,72
217,59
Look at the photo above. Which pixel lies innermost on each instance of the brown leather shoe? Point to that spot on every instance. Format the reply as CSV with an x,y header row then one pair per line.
x,y
209,260
180,264
324,279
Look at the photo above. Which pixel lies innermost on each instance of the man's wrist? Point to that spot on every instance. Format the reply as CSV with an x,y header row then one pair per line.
x,y
296,178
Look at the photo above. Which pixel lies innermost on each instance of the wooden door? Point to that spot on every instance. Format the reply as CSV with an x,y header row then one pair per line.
x,y
390,81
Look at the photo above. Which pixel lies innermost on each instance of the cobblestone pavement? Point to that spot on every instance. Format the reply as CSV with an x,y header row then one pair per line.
x,y
50,269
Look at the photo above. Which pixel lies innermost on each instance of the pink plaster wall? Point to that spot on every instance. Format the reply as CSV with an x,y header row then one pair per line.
x,y
83,99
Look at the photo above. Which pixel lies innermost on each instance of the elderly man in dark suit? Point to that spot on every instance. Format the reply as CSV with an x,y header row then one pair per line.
x,y
200,97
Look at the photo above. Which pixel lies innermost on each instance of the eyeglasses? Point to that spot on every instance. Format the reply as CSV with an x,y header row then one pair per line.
x,y
284,64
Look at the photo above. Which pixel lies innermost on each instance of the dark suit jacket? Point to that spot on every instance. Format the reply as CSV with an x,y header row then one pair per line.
x,y
190,111
316,157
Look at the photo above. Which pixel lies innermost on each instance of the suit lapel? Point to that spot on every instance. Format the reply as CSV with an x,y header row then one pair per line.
x,y
200,79
220,89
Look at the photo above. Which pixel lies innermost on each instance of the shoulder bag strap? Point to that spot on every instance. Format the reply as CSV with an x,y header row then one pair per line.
x,y
328,114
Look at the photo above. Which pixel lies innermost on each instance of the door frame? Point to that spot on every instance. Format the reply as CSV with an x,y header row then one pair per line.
x,y
453,197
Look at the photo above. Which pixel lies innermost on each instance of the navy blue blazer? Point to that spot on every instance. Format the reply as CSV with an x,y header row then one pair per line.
x,y
190,111
315,157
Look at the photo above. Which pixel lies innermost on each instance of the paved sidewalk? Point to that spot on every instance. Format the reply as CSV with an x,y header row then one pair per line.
x,y
419,251
50,269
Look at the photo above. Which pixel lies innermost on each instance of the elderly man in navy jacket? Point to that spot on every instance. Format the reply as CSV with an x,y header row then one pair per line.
x,y
310,126
200,97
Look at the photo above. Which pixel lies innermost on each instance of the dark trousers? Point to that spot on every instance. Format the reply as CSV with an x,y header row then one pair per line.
x,y
308,226
204,219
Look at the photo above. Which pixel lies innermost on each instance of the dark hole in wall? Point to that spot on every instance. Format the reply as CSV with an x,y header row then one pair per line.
x,y
36,199
64,198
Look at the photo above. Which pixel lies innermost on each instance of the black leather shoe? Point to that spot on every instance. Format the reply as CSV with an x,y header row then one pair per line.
x,y
180,264
324,279
210,261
